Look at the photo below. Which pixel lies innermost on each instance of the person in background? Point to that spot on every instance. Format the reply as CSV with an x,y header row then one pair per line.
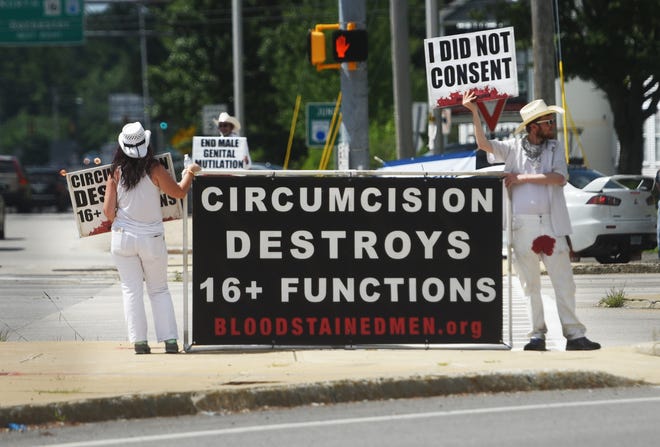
x,y
536,173
228,126
132,204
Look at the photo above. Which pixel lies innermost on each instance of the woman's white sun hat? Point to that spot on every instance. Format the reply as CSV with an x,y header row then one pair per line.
x,y
134,140
227,118
536,109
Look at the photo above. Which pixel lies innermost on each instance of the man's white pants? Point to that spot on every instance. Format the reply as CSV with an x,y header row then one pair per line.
x,y
526,228
138,258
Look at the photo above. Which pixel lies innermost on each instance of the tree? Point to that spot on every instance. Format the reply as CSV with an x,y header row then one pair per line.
x,y
616,44
60,93
198,69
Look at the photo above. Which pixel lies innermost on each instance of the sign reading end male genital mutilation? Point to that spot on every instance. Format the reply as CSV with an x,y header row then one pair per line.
x,y
483,62
220,153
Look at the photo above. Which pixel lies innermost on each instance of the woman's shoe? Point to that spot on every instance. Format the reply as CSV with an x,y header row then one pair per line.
x,y
171,347
142,347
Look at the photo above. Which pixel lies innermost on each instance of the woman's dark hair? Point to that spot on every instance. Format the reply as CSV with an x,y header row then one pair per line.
x,y
132,169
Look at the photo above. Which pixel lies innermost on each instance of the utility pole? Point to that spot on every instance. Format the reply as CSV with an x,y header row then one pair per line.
x,y
143,65
436,137
237,50
401,78
544,50
354,89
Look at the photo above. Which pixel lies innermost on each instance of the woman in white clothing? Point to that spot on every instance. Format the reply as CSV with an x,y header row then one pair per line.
x,y
132,203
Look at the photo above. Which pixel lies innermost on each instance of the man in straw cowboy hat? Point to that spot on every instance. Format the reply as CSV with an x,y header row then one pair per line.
x,y
536,172
228,126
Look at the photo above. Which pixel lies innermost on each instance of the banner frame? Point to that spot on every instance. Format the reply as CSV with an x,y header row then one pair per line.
x,y
506,300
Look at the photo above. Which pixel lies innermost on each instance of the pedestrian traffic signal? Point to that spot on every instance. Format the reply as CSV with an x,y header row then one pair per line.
x,y
349,45
316,47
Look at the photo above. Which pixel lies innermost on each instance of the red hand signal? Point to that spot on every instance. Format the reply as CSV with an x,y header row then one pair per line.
x,y
341,46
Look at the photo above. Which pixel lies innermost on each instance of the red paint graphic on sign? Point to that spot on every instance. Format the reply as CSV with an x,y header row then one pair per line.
x,y
491,120
104,227
483,94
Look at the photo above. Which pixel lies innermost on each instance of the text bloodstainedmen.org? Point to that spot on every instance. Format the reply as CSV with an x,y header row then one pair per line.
x,y
355,326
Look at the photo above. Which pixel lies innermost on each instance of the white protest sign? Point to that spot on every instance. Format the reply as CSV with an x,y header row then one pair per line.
x,y
220,153
483,62
87,190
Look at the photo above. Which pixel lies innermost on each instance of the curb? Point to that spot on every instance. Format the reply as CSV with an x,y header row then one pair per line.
x,y
179,404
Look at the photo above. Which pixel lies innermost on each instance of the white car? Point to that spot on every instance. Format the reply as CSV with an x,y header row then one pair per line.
x,y
611,222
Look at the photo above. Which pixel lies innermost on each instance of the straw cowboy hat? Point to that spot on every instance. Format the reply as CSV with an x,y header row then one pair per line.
x,y
134,140
536,109
227,118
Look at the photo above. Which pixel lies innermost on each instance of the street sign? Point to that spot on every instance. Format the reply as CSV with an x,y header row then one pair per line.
x,y
41,22
319,115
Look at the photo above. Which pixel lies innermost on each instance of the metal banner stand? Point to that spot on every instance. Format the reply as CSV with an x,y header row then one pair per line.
x,y
509,233
186,345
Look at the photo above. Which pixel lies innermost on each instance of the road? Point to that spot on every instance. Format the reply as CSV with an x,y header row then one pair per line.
x,y
589,418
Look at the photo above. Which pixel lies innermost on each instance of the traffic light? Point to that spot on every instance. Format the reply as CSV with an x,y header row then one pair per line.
x,y
163,125
349,45
316,47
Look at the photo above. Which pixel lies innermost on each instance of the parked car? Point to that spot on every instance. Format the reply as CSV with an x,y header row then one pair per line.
x,y
14,184
48,188
2,218
611,221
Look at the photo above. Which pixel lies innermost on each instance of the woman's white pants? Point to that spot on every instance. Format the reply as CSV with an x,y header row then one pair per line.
x,y
141,258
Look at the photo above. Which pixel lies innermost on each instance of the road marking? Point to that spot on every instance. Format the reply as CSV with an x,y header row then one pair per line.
x,y
350,421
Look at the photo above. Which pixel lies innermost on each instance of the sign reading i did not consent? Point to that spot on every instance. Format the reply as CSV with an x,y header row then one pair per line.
x,y
345,261
483,62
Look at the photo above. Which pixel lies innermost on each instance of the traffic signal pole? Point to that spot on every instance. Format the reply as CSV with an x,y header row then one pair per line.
x,y
401,78
354,88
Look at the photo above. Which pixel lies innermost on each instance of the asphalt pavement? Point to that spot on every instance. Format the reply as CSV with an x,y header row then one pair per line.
x,y
87,379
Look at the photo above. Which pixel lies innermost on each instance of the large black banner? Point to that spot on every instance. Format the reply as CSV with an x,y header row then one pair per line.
x,y
341,261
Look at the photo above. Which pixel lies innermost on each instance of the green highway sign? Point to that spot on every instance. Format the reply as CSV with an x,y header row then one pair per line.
x,y
319,115
41,22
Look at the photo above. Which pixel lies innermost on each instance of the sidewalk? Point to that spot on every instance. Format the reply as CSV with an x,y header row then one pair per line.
x,y
92,381
78,381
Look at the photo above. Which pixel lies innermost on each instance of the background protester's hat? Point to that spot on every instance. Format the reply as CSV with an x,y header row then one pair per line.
x,y
134,140
534,110
227,118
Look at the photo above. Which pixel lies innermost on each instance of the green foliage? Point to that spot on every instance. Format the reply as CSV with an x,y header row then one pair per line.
x,y
382,142
198,70
615,44
614,298
60,93
50,94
